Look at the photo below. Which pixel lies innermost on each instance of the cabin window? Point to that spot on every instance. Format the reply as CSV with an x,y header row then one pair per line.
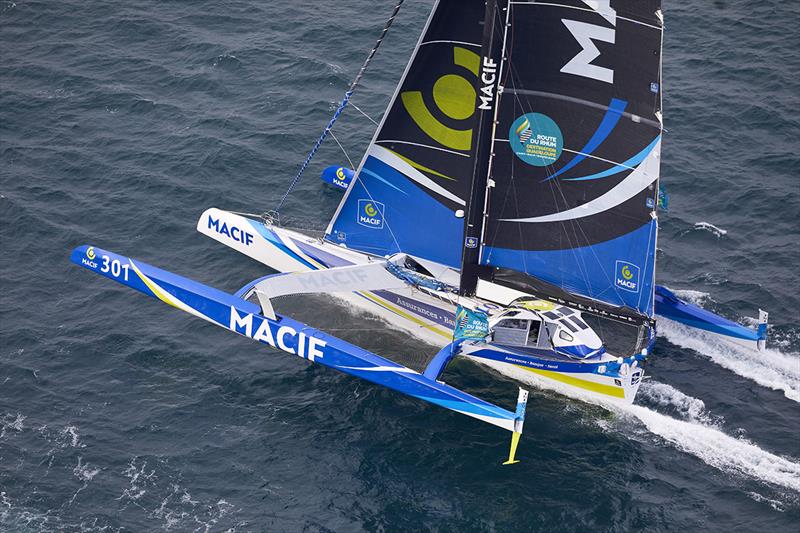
x,y
511,331
569,325
580,323
514,323
565,336
533,333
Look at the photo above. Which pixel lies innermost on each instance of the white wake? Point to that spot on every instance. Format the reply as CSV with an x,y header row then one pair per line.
x,y
769,368
716,448
697,432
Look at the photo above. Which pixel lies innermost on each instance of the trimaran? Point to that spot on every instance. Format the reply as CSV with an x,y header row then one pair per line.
x,y
506,208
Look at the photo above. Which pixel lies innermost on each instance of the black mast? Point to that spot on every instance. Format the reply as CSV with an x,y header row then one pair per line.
x,y
486,104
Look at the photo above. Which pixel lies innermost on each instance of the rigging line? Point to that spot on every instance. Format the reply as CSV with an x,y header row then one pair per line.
x,y
556,188
343,150
341,107
386,223
360,111
575,227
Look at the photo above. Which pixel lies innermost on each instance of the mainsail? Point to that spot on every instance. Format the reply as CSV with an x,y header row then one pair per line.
x,y
416,173
573,183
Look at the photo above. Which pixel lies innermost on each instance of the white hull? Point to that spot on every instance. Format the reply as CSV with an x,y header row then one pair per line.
x,y
422,315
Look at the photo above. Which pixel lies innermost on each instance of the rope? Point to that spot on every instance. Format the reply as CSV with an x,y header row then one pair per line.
x,y
341,107
343,151
360,111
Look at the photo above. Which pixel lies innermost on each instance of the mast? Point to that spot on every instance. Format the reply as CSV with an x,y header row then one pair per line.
x,y
487,104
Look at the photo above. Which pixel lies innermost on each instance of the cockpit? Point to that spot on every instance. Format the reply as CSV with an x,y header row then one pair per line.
x,y
546,326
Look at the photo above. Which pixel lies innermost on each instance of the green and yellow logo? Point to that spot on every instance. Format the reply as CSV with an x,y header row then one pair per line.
x,y
626,272
370,210
455,98
90,252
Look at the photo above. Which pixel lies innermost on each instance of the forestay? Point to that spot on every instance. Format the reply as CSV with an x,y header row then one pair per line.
x,y
574,178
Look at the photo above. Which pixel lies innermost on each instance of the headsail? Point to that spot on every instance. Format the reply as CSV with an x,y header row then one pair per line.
x,y
417,170
574,178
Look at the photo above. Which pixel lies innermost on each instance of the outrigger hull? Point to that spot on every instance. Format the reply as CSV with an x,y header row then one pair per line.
x,y
242,317
428,318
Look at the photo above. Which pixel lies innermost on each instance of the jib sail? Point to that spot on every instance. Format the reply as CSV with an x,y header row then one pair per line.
x,y
416,173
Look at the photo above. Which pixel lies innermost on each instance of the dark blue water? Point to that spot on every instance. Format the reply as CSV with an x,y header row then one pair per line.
x,y
121,122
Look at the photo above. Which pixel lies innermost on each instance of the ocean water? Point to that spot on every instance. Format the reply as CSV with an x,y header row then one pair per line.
x,y
121,122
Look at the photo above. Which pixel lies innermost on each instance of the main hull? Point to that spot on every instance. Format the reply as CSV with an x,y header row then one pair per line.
x,y
426,317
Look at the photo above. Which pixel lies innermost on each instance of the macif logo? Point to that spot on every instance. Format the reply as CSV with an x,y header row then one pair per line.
x,y
627,276
370,214
586,34
232,232
455,97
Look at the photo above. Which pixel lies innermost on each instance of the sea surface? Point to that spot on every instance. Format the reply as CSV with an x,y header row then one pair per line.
x,y
120,122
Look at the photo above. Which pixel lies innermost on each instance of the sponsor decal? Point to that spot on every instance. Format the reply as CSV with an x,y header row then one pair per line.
x,y
470,324
423,310
536,139
281,337
232,232
332,280
586,34
627,276
471,242
370,214
455,97
341,180
89,260
488,79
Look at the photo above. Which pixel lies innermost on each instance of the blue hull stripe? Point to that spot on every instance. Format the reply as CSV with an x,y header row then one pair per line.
x,y
275,240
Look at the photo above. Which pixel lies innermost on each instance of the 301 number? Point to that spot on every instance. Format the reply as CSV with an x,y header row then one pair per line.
x,y
115,267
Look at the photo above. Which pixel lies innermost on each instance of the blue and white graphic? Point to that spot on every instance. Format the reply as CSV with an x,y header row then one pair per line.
x,y
536,139
627,276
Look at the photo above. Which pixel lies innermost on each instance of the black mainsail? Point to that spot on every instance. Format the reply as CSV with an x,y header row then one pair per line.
x,y
572,190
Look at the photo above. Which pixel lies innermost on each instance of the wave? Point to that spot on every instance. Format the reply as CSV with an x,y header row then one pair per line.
x,y
711,228
692,296
769,368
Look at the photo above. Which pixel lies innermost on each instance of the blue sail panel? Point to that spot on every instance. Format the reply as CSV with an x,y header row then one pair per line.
x,y
619,271
385,212
418,168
